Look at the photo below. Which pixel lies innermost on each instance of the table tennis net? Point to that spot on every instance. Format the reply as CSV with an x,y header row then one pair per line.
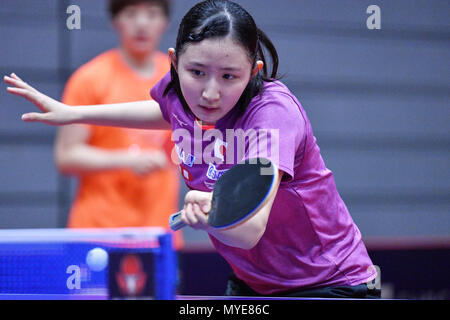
x,y
53,261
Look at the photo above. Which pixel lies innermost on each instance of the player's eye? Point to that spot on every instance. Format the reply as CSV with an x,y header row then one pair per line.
x,y
197,73
228,76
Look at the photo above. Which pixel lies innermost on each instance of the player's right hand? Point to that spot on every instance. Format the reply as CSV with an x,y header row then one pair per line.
x,y
197,205
53,112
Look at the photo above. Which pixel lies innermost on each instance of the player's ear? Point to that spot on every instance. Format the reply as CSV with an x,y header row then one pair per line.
x,y
258,66
173,58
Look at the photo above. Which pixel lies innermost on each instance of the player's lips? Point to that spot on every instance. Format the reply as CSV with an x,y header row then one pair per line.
x,y
208,109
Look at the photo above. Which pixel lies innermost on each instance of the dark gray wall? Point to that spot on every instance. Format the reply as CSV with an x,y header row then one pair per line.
x,y
378,101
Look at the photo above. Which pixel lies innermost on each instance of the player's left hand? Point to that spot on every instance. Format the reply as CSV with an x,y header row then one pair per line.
x,y
197,204
52,112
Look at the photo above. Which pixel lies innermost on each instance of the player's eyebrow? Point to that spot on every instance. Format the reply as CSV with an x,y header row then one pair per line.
x,y
201,65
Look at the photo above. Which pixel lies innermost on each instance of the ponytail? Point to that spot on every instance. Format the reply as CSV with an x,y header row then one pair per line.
x,y
264,40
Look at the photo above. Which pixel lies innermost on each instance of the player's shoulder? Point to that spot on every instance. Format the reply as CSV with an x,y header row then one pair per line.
x,y
275,97
276,90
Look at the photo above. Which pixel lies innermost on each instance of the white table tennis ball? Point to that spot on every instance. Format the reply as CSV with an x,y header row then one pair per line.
x,y
97,259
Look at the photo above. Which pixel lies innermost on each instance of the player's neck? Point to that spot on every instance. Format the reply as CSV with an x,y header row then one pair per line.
x,y
141,64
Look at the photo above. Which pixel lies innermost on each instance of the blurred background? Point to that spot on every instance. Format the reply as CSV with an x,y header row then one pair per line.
x,y
378,101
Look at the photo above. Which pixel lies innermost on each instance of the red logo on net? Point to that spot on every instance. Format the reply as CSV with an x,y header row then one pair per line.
x,y
131,277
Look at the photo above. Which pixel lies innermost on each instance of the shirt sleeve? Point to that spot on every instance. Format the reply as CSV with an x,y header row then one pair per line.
x,y
279,132
157,93
81,90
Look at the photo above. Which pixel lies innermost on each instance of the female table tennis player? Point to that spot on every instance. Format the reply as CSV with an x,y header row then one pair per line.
x,y
301,243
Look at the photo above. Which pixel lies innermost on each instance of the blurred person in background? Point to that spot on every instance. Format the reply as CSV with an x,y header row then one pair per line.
x,y
125,176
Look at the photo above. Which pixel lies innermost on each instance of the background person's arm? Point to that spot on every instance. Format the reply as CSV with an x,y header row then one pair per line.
x,y
73,154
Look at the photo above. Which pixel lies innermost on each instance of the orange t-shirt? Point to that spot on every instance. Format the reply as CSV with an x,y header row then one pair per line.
x,y
120,198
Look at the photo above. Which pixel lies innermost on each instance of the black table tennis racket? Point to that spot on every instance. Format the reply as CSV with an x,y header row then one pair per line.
x,y
238,194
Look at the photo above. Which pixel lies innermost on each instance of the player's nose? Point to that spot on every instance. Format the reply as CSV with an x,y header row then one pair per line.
x,y
211,93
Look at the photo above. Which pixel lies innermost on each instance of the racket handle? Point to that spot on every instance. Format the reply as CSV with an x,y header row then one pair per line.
x,y
175,221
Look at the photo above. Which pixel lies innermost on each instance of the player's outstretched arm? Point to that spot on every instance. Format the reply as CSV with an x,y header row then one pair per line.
x,y
52,112
139,114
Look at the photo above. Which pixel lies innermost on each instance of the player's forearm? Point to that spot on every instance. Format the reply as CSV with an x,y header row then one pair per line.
x,y
248,234
139,114
83,159
244,236
194,214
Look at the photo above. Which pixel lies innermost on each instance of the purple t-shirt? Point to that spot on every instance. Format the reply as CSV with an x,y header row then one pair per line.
x,y
310,238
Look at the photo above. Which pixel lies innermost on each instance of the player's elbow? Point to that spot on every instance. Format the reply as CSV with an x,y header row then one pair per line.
x,y
250,232
245,236
252,240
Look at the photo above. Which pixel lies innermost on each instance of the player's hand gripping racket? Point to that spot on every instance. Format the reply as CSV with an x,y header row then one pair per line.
x,y
238,194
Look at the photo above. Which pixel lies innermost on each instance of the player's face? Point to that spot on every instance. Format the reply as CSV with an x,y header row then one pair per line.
x,y
140,27
213,75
